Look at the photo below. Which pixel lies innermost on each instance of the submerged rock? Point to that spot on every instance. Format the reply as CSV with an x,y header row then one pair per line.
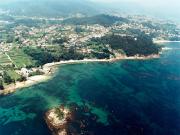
x,y
75,120
57,119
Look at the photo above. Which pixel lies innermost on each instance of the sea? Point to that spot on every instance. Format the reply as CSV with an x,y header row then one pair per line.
x,y
127,97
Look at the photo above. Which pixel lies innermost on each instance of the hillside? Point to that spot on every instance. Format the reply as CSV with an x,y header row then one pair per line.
x,y
131,46
101,19
47,8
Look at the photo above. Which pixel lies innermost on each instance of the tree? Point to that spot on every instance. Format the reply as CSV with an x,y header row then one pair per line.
x,y
22,79
1,84
131,46
7,78
59,113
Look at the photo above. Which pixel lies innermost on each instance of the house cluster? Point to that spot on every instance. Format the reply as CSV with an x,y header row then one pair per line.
x,y
45,34
90,31
26,72
161,29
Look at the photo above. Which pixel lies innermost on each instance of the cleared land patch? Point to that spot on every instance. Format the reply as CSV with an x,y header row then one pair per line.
x,y
20,59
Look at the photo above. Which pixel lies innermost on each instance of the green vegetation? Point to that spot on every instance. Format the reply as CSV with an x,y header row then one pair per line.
x,y
20,58
105,20
13,75
59,113
38,72
9,76
28,42
48,8
99,50
4,59
141,45
59,41
6,17
79,30
7,68
52,54
28,22
1,84
41,56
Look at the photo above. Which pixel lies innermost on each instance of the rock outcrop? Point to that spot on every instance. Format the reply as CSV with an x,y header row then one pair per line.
x,y
57,119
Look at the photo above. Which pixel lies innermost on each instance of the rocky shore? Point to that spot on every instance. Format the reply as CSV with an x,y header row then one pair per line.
x,y
57,120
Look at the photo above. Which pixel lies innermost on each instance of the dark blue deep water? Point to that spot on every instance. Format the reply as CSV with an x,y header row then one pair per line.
x,y
129,97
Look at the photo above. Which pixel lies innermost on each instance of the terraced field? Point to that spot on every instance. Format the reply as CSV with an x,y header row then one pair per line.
x,y
4,59
20,59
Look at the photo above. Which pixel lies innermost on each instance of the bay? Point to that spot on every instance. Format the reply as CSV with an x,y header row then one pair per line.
x,y
129,97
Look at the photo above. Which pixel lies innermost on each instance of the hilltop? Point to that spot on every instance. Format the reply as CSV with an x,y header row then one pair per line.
x,y
102,19
47,8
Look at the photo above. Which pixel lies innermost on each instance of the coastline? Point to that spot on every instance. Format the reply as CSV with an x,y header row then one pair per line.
x,y
165,41
29,82
56,124
49,67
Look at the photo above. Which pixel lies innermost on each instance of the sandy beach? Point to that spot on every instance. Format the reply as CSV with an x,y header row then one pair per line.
x,y
121,57
165,41
49,69
30,81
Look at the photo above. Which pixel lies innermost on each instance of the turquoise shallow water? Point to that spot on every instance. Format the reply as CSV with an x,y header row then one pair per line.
x,y
130,97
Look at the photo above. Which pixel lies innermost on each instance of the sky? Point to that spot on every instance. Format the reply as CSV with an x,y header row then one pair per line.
x,y
169,9
143,2
161,8
175,4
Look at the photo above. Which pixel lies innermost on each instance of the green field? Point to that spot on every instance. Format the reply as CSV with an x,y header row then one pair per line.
x,y
15,76
4,59
20,59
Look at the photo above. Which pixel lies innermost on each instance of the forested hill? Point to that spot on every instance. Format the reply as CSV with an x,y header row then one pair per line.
x,y
49,8
141,45
101,19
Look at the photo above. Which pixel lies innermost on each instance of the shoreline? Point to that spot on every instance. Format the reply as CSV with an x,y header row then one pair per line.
x,y
165,41
56,124
52,66
29,82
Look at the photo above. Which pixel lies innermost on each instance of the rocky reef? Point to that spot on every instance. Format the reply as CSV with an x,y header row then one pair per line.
x,y
57,120
75,120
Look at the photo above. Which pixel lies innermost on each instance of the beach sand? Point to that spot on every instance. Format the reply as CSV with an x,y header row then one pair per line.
x,y
165,41
30,81
49,69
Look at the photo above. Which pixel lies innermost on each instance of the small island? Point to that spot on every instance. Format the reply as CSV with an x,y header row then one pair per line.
x,y
57,120
72,119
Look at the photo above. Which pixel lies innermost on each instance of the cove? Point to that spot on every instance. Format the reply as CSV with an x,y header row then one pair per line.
x,y
129,97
